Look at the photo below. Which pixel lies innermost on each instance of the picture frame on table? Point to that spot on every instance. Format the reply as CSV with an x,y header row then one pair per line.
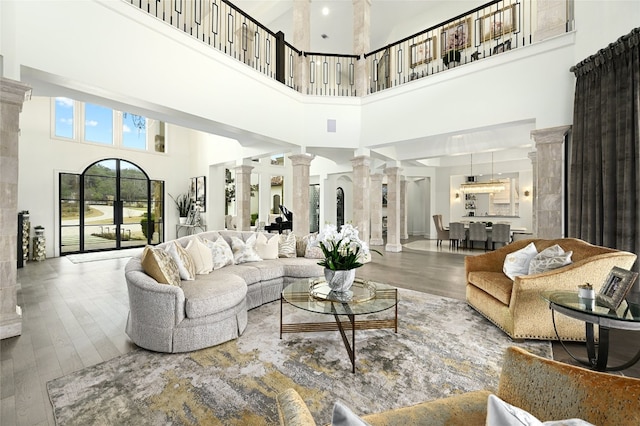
x,y
455,37
423,52
497,24
615,287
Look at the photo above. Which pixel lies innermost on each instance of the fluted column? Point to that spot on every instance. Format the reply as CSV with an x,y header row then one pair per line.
x,y
375,204
12,96
549,190
534,192
300,164
361,42
361,206
393,209
302,40
243,197
404,233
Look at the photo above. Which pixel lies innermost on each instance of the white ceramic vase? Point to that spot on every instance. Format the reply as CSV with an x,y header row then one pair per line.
x,y
183,220
340,281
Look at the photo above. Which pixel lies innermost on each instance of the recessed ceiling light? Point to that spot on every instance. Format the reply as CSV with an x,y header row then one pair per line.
x,y
325,11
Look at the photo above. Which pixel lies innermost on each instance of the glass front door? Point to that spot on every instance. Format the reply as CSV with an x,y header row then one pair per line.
x,y
112,205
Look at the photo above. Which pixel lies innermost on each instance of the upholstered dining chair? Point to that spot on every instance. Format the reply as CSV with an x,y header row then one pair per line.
x,y
457,233
442,234
500,233
478,232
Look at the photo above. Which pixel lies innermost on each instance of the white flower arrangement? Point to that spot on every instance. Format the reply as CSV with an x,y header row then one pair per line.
x,y
342,249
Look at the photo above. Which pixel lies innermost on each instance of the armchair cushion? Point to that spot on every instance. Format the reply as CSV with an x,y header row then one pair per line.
x,y
496,284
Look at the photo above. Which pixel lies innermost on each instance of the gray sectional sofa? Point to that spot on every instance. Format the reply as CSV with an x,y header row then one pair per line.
x,y
210,310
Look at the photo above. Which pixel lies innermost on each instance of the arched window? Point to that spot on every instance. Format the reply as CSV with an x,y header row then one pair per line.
x,y
112,205
340,207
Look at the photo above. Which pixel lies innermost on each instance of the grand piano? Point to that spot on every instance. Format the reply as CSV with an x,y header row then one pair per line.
x,y
285,221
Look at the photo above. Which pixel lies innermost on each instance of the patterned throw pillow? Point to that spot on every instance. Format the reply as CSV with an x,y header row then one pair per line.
x,y
517,263
186,267
159,265
553,257
221,253
287,245
244,252
267,248
201,255
313,251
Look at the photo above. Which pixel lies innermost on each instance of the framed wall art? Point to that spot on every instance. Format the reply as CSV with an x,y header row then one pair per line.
x,y
616,287
198,191
423,52
499,23
456,37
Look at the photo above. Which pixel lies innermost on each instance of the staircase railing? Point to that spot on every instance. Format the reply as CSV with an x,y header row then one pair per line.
x,y
491,29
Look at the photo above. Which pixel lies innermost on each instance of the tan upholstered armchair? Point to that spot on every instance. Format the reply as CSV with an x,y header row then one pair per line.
x,y
516,306
547,389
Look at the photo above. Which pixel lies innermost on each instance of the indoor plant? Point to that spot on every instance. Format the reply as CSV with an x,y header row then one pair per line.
x,y
343,252
183,204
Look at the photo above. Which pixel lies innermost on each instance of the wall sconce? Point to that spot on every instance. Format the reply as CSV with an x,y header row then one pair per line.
x,y
457,195
527,192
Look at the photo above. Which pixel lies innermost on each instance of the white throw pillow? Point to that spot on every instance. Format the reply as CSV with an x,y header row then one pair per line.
x,y
221,253
287,245
343,416
183,259
500,413
245,251
517,263
267,248
201,255
553,257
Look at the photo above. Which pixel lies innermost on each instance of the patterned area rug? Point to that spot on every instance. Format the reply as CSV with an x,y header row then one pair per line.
x,y
442,347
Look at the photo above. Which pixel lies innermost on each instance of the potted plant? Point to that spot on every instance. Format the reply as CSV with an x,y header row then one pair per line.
x,y
343,252
452,56
183,204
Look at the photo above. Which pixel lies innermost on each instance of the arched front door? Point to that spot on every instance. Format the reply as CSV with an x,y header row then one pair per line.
x,y
112,205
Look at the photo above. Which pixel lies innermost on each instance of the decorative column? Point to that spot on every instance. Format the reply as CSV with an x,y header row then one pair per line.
x,y
300,164
12,96
302,41
361,206
361,42
548,183
393,209
404,233
243,197
376,209
534,192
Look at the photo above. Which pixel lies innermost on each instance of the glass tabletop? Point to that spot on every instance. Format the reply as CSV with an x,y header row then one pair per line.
x,y
365,297
569,299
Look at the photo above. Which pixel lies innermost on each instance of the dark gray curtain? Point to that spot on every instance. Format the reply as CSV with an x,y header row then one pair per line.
x,y
604,183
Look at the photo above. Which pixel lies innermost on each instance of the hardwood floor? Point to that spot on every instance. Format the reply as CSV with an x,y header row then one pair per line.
x,y
75,314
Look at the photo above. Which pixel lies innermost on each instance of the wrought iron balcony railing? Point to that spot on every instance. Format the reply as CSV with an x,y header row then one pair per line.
x,y
488,30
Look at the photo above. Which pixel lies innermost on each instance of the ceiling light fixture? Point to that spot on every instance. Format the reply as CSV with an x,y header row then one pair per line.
x,y
325,11
482,187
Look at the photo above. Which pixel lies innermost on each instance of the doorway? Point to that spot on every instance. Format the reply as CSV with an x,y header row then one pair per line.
x,y
112,205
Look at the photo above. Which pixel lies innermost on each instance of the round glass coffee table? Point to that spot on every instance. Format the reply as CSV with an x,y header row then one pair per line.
x,y
366,297
626,317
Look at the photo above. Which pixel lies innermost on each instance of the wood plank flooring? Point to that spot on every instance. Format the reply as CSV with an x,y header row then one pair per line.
x,y
75,314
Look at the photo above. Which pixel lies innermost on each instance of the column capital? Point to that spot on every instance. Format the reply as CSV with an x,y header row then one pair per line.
x,y
301,159
361,161
243,169
550,135
533,156
392,171
376,177
14,92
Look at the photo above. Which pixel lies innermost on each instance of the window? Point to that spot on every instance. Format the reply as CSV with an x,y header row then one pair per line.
x,y
64,111
98,124
134,131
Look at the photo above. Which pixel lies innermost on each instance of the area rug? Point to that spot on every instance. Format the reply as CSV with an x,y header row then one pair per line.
x,y
442,347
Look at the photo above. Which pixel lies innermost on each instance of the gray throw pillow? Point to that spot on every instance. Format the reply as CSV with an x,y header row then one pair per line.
x,y
343,416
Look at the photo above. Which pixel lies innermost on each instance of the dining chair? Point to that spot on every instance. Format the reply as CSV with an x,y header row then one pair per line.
x,y
442,234
500,233
478,232
457,233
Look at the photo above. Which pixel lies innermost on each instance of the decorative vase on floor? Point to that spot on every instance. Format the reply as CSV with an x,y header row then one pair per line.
x,y
340,281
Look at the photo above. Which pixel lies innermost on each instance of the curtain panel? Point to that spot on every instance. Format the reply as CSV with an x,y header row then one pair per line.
x,y
605,150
